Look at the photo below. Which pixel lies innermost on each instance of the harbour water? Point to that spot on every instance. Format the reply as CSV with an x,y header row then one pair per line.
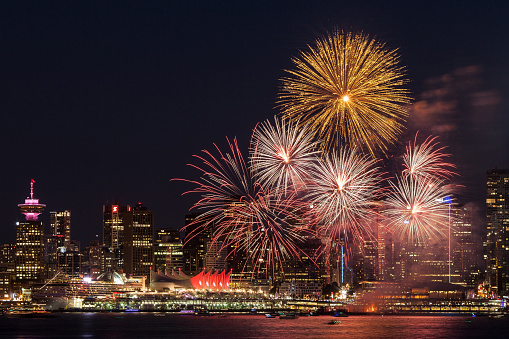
x,y
166,325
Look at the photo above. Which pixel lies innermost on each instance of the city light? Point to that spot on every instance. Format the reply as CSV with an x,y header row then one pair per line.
x,y
336,203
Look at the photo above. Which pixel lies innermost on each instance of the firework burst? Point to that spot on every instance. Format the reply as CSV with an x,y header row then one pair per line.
x,y
427,160
343,197
240,214
281,154
348,88
418,210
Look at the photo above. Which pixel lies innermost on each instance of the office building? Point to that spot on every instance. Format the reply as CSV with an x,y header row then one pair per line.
x,y
5,283
195,245
53,246
92,262
60,225
497,237
304,272
7,252
7,269
168,251
464,251
138,241
114,221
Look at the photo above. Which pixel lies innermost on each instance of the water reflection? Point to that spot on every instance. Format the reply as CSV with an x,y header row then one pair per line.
x,y
147,325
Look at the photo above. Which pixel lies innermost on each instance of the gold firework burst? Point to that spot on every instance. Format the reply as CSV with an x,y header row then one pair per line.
x,y
349,89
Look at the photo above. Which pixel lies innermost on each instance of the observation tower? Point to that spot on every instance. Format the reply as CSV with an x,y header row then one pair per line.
x,y
31,208
29,261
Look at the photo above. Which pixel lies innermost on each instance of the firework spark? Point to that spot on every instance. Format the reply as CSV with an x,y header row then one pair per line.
x,y
240,214
427,160
418,210
344,193
281,154
349,88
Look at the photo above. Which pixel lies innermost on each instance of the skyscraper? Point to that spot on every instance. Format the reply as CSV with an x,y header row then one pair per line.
x,y
168,252
93,259
57,243
138,241
60,225
7,253
215,259
113,232
29,259
52,246
7,268
195,246
464,254
497,242
305,267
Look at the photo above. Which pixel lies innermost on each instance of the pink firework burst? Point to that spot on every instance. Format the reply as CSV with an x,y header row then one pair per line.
x,y
241,215
418,210
282,154
344,195
427,160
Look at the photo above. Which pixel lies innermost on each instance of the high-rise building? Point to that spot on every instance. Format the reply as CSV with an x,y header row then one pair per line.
x,y
60,225
368,252
7,269
390,258
195,245
68,262
92,267
497,237
114,221
305,267
61,258
108,261
138,241
215,259
7,253
242,267
431,262
168,252
53,247
464,254
338,261
29,261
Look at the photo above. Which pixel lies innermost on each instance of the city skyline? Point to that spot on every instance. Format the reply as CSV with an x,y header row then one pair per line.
x,y
107,104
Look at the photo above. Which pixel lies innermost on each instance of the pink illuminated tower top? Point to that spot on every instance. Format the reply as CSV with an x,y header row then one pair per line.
x,y
31,208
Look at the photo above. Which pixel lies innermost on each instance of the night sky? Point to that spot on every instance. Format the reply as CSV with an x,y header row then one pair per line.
x,y
106,101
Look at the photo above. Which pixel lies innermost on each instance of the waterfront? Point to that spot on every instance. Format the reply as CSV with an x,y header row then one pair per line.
x,y
167,325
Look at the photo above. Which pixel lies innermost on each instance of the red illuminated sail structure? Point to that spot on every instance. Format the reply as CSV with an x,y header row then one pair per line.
x,y
212,280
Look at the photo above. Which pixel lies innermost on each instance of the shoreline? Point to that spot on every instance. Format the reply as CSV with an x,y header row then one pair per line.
x,y
303,314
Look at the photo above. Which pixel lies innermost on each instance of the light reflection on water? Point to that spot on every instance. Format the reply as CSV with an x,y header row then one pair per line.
x,y
147,325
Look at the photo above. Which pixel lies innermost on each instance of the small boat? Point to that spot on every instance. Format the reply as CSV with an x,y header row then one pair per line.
x,y
28,314
340,315
202,313
159,314
186,312
334,322
271,315
288,316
